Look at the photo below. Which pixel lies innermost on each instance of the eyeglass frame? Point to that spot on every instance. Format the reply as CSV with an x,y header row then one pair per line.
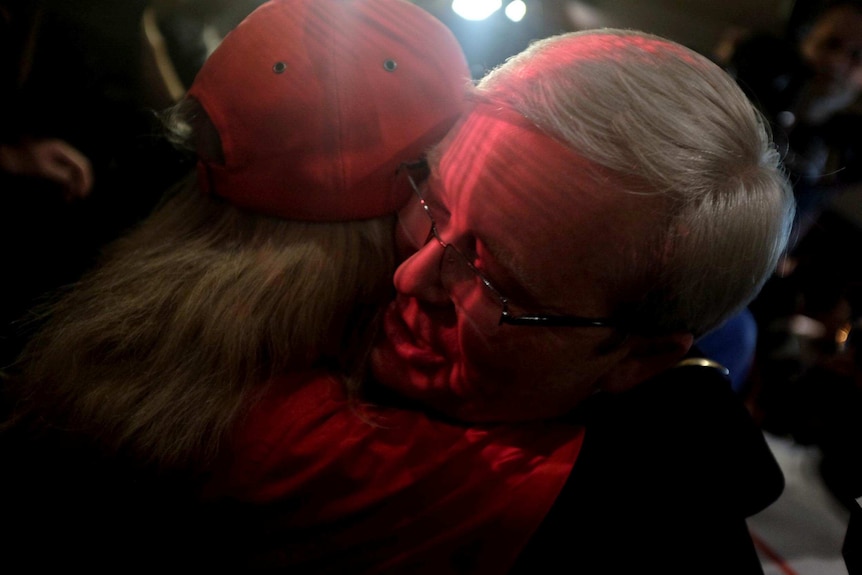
x,y
525,320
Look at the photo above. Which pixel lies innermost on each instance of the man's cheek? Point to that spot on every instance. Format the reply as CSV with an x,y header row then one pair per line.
x,y
485,354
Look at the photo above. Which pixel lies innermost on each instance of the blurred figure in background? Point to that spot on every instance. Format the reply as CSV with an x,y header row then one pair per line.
x,y
809,89
41,173
80,159
192,29
806,380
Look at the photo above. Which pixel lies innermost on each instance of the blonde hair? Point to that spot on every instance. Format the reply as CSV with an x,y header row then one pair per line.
x,y
658,118
159,350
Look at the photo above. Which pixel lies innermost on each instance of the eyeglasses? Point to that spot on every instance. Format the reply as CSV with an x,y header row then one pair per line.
x,y
458,273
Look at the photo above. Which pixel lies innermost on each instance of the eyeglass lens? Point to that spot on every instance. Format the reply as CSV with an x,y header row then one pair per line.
x,y
417,221
420,223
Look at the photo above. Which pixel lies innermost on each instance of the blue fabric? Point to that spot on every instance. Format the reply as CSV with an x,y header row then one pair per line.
x,y
733,345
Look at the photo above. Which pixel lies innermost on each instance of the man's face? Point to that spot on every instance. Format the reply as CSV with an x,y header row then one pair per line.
x,y
834,49
510,201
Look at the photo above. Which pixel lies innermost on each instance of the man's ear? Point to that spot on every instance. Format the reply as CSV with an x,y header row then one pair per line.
x,y
646,357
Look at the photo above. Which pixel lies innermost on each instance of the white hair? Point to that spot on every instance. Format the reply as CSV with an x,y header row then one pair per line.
x,y
663,119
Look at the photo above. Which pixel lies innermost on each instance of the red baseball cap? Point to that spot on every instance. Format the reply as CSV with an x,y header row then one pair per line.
x,y
317,103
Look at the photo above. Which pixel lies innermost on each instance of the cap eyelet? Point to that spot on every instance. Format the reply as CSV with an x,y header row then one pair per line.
x,y
390,65
279,67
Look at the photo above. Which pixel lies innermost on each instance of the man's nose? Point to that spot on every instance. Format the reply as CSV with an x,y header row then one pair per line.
x,y
419,275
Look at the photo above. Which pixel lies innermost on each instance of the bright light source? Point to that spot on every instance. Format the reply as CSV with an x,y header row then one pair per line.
x,y
475,9
516,10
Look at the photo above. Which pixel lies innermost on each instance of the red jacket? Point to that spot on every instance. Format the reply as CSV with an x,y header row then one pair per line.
x,y
345,490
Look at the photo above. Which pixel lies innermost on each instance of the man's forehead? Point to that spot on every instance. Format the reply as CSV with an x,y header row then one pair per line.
x,y
534,203
508,162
